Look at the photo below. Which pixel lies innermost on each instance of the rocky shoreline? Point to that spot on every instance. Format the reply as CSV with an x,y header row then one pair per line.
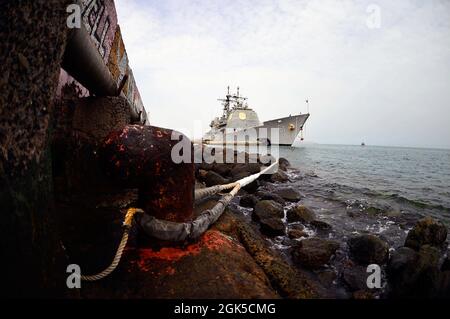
x,y
274,210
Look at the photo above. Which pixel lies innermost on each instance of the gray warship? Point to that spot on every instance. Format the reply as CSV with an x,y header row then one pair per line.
x,y
240,124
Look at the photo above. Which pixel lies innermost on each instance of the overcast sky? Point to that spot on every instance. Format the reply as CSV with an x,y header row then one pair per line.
x,y
385,84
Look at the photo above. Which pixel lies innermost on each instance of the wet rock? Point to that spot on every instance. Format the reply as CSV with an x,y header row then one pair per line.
x,y
211,178
320,225
446,264
355,277
296,233
362,294
247,169
412,273
265,195
314,252
279,177
444,284
283,164
327,277
297,226
267,209
287,280
300,213
222,169
427,231
272,227
289,193
248,201
368,249
222,269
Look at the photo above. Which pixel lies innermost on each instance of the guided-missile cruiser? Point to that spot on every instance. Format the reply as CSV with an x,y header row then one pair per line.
x,y
240,124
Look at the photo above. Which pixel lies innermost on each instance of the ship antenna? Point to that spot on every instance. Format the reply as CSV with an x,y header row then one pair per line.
x,y
307,106
238,91
228,90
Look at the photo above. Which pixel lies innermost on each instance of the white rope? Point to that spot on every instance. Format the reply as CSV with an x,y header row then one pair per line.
x,y
204,192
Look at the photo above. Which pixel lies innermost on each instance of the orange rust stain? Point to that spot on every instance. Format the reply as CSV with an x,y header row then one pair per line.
x,y
211,240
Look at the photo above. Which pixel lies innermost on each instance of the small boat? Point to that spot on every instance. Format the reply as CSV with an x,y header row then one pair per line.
x,y
363,144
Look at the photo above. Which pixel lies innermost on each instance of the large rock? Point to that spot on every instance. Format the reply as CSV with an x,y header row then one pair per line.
x,y
270,196
300,213
279,177
272,227
222,169
444,284
427,231
297,233
446,264
283,164
368,249
247,169
248,201
355,277
214,266
314,252
211,178
412,273
267,209
320,225
289,193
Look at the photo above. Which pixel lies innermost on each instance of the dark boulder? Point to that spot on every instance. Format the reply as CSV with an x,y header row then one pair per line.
x,y
265,195
267,209
362,294
427,231
283,164
222,169
272,227
314,252
414,274
289,193
320,225
446,264
368,249
355,277
248,169
444,284
248,201
211,178
279,177
300,213
296,233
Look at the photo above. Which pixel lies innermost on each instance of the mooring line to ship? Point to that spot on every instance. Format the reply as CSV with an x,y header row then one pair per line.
x,y
172,231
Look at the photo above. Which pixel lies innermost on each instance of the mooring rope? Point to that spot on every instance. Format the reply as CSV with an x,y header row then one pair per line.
x,y
198,226
127,223
204,192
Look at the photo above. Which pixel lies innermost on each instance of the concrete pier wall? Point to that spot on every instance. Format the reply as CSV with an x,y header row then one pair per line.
x,y
100,20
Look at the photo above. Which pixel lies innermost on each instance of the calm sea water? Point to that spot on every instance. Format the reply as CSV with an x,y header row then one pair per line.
x,y
372,189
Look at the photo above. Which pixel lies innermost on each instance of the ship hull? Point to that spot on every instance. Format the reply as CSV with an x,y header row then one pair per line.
x,y
282,131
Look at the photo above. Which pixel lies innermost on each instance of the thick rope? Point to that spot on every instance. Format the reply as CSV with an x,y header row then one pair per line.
x,y
216,212
127,225
205,192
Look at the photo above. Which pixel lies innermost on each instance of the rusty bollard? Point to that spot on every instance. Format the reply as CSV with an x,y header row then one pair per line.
x,y
140,157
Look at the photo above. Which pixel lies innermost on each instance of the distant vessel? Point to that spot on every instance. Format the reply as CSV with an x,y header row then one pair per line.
x,y
240,124
363,144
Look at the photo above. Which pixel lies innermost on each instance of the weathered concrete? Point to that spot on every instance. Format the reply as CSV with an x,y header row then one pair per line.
x,y
33,37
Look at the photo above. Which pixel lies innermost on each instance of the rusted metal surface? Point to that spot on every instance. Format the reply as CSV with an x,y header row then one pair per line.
x,y
140,156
